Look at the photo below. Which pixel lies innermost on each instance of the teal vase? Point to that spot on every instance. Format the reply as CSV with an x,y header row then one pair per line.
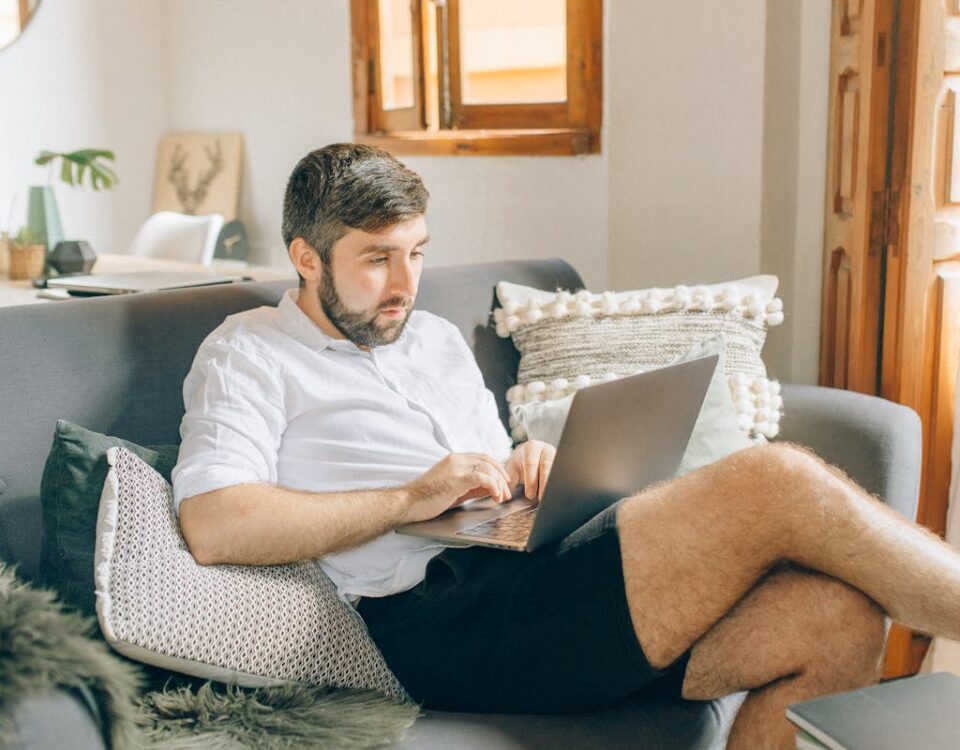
x,y
43,216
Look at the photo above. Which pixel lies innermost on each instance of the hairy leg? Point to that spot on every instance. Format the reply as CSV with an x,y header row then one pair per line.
x,y
795,635
693,547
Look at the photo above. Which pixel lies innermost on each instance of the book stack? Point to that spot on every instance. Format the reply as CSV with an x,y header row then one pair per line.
x,y
915,712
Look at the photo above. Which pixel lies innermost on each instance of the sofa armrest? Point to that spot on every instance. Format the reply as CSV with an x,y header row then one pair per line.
x,y
876,442
59,717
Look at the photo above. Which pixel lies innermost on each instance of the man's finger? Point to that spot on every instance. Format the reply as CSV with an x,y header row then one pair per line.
x,y
514,477
492,462
531,463
546,462
488,480
501,468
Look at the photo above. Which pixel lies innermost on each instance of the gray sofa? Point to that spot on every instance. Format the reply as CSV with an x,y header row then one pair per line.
x,y
116,365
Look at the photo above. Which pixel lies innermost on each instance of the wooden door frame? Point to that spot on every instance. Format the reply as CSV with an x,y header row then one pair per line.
x,y
887,304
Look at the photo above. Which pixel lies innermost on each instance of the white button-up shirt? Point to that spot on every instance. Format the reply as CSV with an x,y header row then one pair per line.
x,y
272,399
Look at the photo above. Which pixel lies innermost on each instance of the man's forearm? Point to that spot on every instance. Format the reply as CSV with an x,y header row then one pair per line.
x,y
262,524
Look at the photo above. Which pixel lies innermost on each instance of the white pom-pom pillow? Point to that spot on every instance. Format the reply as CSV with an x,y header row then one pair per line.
x,y
240,624
568,340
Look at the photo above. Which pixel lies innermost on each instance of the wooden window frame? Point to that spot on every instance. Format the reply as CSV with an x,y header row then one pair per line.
x,y
565,128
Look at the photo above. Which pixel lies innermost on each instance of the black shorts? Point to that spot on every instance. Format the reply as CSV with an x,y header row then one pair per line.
x,y
494,631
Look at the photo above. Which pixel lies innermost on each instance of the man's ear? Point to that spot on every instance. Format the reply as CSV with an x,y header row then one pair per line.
x,y
305,259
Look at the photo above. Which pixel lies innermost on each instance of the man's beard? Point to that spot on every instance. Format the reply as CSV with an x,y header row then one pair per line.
x,y
359,327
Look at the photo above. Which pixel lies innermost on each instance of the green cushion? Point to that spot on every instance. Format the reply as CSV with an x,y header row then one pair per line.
x,y
715,434
70,497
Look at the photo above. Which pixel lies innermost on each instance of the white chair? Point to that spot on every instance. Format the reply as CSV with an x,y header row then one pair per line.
x,y
176,236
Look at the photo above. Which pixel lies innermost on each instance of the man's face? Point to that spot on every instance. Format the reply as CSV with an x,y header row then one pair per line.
x,y
370,284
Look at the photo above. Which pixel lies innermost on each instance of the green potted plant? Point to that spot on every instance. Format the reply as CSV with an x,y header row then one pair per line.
x,y
42,213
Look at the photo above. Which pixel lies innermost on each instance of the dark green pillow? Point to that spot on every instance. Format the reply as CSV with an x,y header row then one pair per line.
x,y
70,497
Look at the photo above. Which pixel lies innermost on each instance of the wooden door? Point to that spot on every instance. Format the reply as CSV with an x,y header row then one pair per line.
x,y
856,189
922,302
891,303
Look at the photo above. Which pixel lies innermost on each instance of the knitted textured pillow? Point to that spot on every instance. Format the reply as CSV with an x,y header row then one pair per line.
x,y
570,340
246,625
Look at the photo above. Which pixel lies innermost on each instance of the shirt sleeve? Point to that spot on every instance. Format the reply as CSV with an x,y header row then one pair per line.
x,y
234,420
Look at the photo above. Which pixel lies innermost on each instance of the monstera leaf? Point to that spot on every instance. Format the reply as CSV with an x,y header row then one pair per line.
x,y
76,164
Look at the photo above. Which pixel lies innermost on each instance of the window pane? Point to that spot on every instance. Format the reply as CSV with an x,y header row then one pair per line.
x,y
513,52
396,54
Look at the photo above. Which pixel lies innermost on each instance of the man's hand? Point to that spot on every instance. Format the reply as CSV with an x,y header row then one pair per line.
x,y
530,463
454,479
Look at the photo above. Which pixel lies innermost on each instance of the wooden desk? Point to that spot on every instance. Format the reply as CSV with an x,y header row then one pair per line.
x,y
24,293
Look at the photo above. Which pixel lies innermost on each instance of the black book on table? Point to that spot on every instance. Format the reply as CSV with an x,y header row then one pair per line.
x,y
915,712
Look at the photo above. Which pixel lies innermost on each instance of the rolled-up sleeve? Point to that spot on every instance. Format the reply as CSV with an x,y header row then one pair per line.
x,y
234,420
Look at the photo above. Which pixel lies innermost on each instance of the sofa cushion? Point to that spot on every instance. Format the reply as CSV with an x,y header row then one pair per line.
x,y
570,340
70,489
250,625
715,434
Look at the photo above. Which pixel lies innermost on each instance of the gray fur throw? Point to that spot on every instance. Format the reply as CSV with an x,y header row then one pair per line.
x,y
44,647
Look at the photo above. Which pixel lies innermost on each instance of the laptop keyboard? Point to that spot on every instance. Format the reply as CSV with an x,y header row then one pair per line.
x,y
513,527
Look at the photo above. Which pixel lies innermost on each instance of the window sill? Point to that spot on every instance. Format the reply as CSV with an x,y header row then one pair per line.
x,y
545,142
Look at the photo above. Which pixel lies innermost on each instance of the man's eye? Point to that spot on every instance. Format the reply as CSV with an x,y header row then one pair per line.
x,y
416,254
379,261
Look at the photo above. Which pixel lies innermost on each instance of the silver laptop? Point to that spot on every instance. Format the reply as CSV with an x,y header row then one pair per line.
x,y
135,281
619,438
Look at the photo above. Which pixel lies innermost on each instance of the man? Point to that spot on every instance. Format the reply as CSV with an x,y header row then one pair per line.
x,y
314,429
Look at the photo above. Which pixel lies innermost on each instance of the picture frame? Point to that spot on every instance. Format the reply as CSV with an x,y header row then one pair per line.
x,y
199,173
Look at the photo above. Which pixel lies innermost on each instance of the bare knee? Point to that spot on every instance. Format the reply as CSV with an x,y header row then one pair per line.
x,y
782,462
783,478
764,487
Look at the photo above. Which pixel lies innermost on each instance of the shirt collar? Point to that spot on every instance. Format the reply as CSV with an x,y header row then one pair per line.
x,y
296,324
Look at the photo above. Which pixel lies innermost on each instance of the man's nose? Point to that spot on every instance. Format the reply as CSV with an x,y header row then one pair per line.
x,y
404,278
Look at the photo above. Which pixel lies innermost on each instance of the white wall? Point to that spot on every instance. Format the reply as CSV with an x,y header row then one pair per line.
x,y
806,275
278,73
535,207
685,118
717,119
709,110
85,73
794,164
283,79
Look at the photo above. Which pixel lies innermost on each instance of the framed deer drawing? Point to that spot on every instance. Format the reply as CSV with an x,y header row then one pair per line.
x,y
199,173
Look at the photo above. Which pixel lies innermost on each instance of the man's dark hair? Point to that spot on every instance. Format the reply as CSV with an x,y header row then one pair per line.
x,y
347,186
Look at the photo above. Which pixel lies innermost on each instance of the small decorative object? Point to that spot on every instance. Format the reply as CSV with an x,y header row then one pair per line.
x,y
199,173
42,213
232,243
27,255
72,257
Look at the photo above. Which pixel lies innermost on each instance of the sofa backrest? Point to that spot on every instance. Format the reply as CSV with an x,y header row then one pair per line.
x,y
116,365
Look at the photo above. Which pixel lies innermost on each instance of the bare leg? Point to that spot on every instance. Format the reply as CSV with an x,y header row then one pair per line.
x,y
693,547
783,644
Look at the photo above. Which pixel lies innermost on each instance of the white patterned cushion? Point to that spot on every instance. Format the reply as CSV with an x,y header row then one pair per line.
x,y
245,625
568,340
